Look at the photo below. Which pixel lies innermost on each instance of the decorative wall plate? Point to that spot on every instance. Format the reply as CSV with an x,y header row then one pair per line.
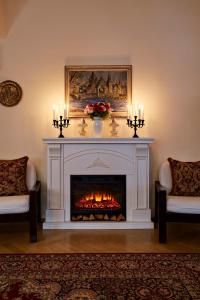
x,y
10,93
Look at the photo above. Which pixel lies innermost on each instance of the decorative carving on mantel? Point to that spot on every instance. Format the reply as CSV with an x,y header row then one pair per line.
x,y
98,163
54,150
142,150
91,151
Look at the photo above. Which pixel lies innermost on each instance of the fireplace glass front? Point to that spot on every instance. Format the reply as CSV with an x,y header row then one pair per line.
x,y
98,198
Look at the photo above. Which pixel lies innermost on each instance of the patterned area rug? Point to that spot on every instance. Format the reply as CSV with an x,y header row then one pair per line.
x,y
99,276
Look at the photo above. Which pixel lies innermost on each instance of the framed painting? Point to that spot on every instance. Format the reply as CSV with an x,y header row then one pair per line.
x,y
91,84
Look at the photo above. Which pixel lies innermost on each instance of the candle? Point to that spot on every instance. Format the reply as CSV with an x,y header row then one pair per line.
x,y
142,111
54,112
135,109
139,111
128,109
57,112
67,106
65,111
131,112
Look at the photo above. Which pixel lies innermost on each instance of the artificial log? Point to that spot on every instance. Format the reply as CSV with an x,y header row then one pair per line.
x,y
91,218
77,218
113,218
120,218
106,218
99,217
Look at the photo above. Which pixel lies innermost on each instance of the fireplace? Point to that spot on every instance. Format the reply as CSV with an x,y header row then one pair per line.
x,y
118,169
98,198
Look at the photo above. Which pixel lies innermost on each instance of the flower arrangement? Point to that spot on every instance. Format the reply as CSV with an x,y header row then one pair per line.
x,y
99,109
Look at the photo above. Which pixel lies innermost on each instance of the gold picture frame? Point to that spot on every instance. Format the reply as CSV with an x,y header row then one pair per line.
x,y
91,84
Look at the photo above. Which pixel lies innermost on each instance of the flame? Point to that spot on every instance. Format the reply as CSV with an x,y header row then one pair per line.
x,y
98,200
98,197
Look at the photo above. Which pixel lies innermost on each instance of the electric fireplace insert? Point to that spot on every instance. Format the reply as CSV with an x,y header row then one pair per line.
x,y
98,198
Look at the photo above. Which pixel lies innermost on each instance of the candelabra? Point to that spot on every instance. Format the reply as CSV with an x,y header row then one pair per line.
x,y
61,123
135,123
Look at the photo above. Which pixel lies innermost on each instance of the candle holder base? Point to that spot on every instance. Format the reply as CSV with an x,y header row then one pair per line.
x,y
61,123
135,123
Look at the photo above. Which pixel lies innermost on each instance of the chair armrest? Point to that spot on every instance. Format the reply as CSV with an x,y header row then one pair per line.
x,y
36,187
159,187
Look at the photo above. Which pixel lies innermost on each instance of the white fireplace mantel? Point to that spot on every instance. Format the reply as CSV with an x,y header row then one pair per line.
x,y
97,156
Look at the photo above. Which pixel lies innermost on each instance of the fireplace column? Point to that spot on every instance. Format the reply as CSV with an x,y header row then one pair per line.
x,y
55,211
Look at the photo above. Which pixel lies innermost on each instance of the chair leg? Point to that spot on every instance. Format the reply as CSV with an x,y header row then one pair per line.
x,y
39,206
33,215
33,224
162,216
155,219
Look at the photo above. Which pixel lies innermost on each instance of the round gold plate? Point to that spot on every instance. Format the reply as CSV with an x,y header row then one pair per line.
x,y
10,93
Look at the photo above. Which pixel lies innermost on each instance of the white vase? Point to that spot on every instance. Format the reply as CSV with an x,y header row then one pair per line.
x,y
97,126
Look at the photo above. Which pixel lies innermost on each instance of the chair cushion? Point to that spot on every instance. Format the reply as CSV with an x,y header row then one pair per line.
x,y
165,177
185,178
183,204
13,177
14,204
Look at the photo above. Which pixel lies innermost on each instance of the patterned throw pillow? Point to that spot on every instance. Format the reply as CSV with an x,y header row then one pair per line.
x,y
185,178
13,177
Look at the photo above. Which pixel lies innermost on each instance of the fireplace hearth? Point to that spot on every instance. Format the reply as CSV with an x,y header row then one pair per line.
x,y
98,198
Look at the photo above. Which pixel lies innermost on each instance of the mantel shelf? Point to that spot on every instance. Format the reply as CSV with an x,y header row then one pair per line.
x,y
98,140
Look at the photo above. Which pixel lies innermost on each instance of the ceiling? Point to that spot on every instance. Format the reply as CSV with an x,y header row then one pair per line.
x,y
9,11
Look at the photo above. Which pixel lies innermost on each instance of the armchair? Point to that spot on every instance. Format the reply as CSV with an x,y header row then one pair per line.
x,y
25,207
174,208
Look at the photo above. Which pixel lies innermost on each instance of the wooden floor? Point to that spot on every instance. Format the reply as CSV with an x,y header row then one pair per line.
x,y
181,238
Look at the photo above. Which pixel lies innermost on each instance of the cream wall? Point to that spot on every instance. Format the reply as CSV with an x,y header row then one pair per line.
x,y
160,38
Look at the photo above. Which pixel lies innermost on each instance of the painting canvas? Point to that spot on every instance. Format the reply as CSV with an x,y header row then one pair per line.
x,y
91,84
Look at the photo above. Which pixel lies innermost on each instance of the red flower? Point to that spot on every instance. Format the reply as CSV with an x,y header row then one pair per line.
x,y
89,108
107,105
99,109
